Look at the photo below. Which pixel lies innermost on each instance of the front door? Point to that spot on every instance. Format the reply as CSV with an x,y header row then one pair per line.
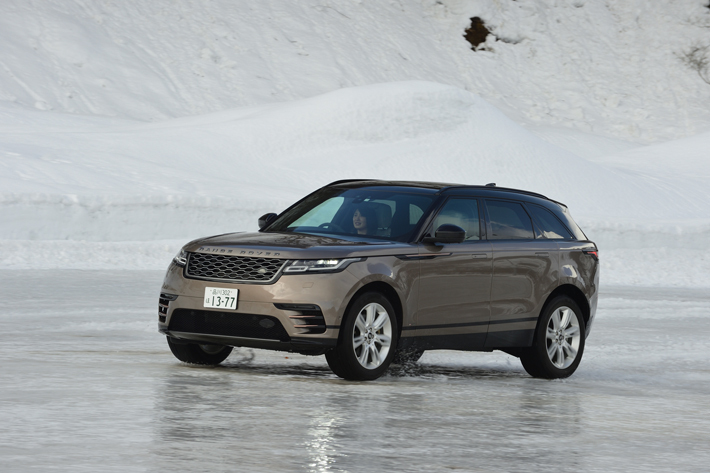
x,y
455,282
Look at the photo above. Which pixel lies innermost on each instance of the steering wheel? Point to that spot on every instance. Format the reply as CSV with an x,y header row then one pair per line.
x,y
331,226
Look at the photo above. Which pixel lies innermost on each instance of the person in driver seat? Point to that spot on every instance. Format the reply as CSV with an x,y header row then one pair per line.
x,y
365,220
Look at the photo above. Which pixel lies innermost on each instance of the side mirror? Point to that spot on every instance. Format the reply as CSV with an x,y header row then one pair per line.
x,y
266,219
447,233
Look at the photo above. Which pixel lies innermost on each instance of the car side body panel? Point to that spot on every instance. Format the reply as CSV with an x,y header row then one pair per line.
x,y
581,271
525,272
454,295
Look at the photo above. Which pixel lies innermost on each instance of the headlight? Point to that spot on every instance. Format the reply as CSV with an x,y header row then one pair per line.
x,y
319,265
181,258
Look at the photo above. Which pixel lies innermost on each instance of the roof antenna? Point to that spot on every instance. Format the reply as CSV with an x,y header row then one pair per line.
x,y
491,184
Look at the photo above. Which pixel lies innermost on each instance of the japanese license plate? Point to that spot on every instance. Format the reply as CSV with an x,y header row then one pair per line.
x,y
221,298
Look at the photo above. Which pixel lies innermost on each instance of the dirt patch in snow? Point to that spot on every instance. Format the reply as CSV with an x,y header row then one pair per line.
x,y
476,33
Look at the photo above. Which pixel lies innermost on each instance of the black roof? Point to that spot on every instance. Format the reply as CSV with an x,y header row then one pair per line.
x,y
439,186
355,183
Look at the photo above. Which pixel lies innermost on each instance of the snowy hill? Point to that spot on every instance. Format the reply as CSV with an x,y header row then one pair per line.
x,y
611,68
126,129
403,130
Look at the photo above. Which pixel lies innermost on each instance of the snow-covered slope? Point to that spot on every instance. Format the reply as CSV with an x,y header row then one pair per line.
x,y
611,68
405,130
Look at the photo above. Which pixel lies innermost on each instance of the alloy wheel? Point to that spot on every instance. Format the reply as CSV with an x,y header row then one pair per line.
x,y
563,337
372,335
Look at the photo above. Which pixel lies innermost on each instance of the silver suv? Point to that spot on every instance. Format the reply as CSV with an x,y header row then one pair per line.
x,y
370,273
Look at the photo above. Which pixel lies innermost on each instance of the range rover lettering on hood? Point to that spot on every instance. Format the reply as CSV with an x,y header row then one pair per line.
x,y
236,251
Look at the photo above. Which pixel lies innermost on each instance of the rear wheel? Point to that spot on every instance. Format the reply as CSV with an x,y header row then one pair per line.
x,y
199,354
367,339
559,341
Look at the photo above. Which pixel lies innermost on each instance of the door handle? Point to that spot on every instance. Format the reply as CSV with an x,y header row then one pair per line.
x,y
543,254
479,256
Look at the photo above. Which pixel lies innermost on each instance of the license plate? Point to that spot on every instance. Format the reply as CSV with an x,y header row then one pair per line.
x,y
221,298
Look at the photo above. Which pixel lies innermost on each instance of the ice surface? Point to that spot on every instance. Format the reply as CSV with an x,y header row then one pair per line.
x,y
89,385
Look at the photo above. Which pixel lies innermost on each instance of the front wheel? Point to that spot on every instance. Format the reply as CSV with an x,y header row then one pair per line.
x,y
199,354
368,338
559,341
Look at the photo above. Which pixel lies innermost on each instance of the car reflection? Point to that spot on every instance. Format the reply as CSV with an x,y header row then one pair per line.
x,y
251,415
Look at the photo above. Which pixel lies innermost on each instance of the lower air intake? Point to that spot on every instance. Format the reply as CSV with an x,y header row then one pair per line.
x,y
229,324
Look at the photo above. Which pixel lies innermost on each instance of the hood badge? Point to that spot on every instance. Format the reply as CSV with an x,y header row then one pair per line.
x,y
236,251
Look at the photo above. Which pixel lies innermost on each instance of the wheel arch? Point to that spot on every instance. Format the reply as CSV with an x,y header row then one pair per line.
x,y
386,290
574,293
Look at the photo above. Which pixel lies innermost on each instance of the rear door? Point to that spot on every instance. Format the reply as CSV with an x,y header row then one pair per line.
x,y
525,272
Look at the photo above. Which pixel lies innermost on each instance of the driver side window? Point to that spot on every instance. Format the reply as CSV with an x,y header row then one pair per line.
x,y
462,212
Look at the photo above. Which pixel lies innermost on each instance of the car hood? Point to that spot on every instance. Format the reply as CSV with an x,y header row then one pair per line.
x,y
296,246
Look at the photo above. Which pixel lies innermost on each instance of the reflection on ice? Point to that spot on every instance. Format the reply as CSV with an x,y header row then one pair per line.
x,y
83,387
322,446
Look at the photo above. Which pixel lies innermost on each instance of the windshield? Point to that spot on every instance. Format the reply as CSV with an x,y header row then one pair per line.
x,y
380,214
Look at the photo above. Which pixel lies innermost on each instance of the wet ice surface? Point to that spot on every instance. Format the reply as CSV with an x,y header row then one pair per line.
x,y
87,384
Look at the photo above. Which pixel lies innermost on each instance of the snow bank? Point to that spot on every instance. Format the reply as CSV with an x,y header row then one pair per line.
x,y
652,253
127,218
76,254
406,130
682,158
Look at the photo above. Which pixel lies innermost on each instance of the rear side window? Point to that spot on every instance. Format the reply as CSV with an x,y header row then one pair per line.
x,y
509,221
548,226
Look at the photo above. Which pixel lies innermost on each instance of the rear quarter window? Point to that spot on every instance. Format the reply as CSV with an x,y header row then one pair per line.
x,y
509,221
548,226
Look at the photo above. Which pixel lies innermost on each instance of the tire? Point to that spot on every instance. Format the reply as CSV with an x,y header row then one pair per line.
x,y
198,354
407,356
368,337
558,344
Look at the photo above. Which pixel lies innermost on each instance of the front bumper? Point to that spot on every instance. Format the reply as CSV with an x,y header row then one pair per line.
x,y
299,345
300,313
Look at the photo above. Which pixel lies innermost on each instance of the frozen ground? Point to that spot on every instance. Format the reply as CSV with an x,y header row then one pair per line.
x,y
89,385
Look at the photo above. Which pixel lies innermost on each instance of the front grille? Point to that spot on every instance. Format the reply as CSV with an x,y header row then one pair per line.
x,y
230,324
233,268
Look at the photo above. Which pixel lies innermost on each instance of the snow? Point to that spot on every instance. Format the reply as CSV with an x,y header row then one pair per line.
x,y
610,68
128,128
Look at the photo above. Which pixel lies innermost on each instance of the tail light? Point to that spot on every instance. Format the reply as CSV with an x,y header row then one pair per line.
x,y
593,253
